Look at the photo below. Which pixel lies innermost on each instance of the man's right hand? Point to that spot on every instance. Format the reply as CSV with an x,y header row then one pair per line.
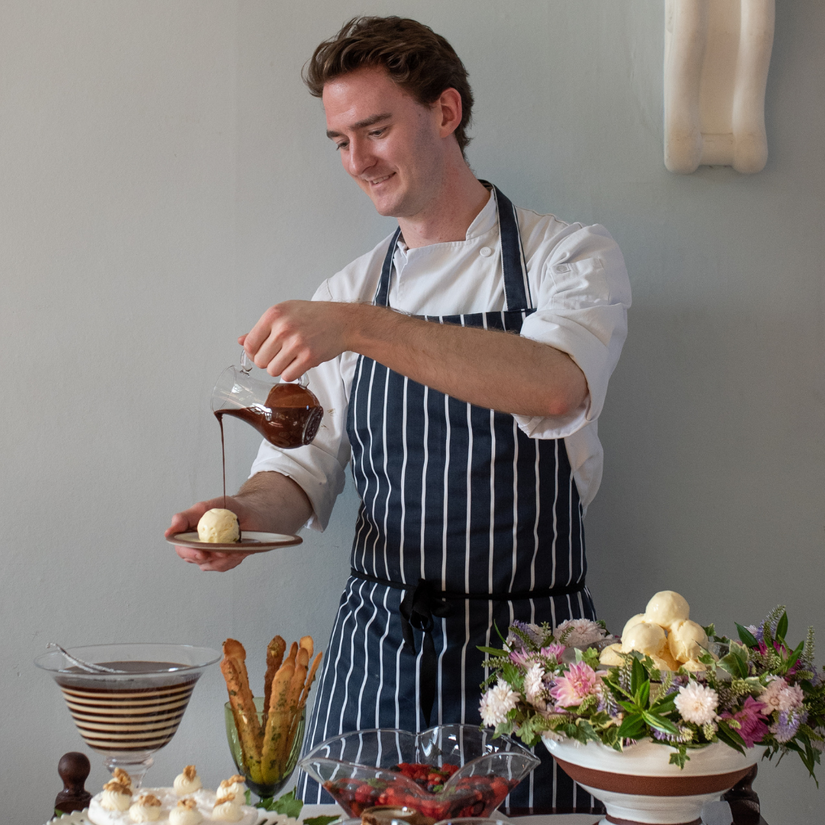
x,y
188,521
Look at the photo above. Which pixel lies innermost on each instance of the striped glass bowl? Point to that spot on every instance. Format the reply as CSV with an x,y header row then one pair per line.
x,y
129,715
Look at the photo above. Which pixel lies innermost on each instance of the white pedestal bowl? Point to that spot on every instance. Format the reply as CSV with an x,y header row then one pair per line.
x,y
639,785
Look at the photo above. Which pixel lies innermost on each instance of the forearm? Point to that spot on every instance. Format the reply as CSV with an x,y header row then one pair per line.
x,y
488,368
273,503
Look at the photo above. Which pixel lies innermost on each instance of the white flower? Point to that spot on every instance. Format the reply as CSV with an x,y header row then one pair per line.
x,y
779,695
534,690
579,632
497,703
697,703
791,697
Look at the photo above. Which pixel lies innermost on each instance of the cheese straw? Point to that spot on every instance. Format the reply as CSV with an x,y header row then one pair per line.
x,y
266,742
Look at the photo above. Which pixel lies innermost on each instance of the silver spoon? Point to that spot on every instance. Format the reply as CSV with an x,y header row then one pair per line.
x,y
87,666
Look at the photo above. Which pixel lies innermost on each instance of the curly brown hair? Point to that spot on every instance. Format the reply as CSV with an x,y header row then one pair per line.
x,y
420,61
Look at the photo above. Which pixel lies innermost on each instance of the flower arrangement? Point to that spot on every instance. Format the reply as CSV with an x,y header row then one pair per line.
x,y
756,690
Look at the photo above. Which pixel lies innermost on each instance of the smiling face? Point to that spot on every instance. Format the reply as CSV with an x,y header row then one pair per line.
x,y
395,148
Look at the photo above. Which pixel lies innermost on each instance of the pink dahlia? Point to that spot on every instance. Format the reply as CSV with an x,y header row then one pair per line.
x,y
553,651
751,720
577,683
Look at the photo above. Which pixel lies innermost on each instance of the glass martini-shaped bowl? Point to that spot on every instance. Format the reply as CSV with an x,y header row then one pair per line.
x,y
133,708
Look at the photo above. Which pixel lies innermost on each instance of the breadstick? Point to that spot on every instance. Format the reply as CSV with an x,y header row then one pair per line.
x,y
293,653
310,679
274,656
246,721
270,757
302,701
307,644
289,724
234,651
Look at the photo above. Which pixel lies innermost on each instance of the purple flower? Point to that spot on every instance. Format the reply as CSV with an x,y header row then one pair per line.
x,y
785,728
531,631
685,735
757,632
751,720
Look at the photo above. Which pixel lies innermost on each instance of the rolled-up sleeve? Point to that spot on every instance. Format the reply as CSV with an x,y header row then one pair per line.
x,y
582,302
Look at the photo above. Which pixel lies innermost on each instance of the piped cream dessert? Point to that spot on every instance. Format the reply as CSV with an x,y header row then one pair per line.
x,y
234,785
117,805
187,782
146,808
185,813
227,809
218,526
116,796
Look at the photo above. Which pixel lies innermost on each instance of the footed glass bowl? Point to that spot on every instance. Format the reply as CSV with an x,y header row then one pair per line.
x,y
467,773
129,714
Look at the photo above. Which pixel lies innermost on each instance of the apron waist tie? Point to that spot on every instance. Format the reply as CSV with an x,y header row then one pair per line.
x,y
422,601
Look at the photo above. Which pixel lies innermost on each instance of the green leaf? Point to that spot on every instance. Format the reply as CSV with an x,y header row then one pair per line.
x,y
643,694
492,651
736,662
285,804
782,627
730,737
747,638
632,727
321,820
660,723
665,704
638,675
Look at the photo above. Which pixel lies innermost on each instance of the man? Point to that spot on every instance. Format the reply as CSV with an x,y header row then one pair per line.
x,y
462,364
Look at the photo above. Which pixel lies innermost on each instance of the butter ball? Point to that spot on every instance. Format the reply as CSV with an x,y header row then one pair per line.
x,y
693,666
219,526
666,608
633,620
687,640
610,656
664,661
645,637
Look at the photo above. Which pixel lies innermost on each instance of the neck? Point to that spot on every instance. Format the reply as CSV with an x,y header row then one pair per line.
x,y
461,198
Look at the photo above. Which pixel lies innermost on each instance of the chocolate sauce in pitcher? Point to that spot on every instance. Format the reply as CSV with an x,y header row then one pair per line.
x,y
289,419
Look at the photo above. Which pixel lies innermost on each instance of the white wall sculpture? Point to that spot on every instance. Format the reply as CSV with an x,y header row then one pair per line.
x,y
717,54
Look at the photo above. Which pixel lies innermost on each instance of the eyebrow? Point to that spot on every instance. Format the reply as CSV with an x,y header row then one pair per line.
x,y
362,124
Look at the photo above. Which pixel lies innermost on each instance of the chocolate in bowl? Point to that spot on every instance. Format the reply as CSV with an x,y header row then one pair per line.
x,y
129,715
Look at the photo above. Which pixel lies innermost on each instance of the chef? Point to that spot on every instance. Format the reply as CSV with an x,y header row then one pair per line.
x,y
462,365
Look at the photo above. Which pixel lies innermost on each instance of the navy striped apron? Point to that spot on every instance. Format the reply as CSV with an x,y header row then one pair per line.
x,y
465,525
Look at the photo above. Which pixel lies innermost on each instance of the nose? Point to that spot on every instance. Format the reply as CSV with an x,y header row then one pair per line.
x,y
359,157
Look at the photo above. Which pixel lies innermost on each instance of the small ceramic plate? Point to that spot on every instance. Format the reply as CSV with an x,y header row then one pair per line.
x,y
251,542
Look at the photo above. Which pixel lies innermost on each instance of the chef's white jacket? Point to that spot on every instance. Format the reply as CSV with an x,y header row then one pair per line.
x,y
581,291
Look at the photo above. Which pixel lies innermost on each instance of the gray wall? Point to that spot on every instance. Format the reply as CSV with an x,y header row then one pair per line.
x,y
164,178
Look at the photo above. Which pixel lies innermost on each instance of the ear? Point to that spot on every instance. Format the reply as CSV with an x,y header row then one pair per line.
x,y
448,108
